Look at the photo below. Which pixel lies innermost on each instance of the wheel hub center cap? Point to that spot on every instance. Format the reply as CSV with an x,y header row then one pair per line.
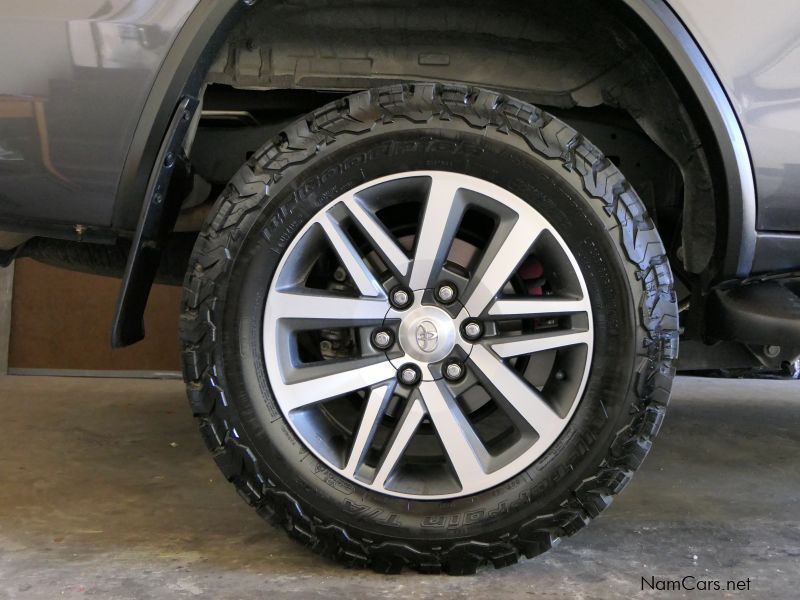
x,y
427,334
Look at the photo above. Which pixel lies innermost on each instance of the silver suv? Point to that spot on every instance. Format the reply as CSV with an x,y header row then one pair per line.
x,y
436,257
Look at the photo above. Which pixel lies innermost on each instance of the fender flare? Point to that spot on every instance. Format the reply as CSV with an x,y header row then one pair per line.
x,y
148,172
183,72
676,40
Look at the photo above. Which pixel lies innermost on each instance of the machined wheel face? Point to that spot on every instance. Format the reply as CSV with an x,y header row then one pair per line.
x,y
428,335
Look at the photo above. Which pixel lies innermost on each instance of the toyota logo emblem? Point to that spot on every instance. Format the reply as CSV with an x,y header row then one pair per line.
x,y
427,336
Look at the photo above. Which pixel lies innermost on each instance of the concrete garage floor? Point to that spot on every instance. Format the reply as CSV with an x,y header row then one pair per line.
x,y
106,491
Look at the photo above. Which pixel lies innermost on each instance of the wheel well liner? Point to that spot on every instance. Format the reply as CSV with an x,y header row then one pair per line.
x,y
198,44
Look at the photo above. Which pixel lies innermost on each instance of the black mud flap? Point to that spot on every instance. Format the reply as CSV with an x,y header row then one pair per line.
x,y
170,181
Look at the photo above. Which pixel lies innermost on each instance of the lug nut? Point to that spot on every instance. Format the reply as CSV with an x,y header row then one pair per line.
x,y
446,293
382,339
401,298
472,330
340,274
408,375
454,371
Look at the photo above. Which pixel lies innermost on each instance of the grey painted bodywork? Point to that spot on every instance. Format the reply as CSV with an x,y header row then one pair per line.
x,y
71,103
85,67
754,47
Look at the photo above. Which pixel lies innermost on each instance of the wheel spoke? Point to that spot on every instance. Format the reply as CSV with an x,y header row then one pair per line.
x,y
322,308
537,306
383,243
397,444
538,342
502,257
466,452
365,281
514,392
308,385
442,215
373,411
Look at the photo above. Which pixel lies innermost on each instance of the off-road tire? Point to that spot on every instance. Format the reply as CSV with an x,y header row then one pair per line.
x,y
267,198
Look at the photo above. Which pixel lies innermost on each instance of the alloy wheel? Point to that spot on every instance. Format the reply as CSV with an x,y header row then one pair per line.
x,y
428,335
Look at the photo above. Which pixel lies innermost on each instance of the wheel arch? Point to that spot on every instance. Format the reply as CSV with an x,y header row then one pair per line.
x,y
213,22
142,201
684,60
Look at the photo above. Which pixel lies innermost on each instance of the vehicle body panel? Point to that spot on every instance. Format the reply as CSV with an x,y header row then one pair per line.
x,y
754,48
79,131
74,77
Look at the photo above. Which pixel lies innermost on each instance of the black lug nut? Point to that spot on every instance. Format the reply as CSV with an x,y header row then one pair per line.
x,y
446,293
382,338
472,329
409,374
454,371
401,297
